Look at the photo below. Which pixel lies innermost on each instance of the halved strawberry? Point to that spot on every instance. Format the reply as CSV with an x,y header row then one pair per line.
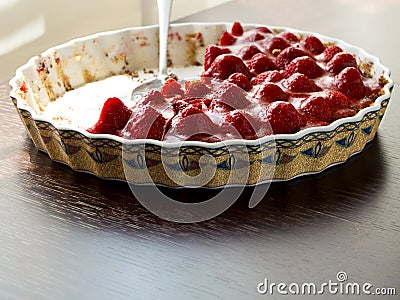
x,y
283,117
270,92
349,82
260,63
299,83
341,61
113,117
313,44
225,65
304,65
171,88
240,80
145,123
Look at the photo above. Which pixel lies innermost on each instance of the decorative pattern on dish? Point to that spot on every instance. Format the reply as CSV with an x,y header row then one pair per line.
x,y
308,151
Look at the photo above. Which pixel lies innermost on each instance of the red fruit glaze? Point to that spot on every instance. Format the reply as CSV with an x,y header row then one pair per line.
x,y
113,117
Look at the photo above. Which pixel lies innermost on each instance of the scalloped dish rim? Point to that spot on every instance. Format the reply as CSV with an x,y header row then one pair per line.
x,y
384,71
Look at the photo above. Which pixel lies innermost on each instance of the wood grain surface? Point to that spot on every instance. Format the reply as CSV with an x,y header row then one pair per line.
x,y
70,235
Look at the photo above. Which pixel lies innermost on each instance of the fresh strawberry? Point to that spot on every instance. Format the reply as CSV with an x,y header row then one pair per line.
x,y
275,43
225,65
200,103
300,83
253,36
241,81
190,110
237,29
248,51
349,82
227,39
232,96
283,117
171,88
260,63
113,117
196,89
179,105
191,124
262,29
291,37
152,98
287,55
304,65
330,52
317,106
244,124
341,61
270,92
220,108
269,76
338,99
145,123
211,53
327,106
313,44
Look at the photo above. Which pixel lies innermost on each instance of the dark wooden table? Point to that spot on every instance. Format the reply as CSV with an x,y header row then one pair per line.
x,y
69,235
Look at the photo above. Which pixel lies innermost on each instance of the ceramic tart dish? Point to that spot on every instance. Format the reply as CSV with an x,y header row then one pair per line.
x,y
60,93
